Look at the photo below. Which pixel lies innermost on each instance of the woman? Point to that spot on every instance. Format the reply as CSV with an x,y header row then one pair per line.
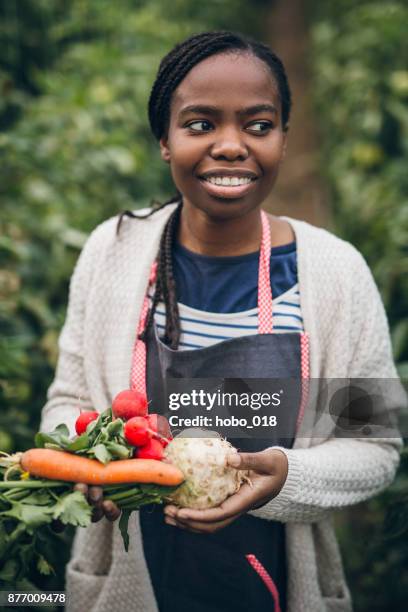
x,y
145,299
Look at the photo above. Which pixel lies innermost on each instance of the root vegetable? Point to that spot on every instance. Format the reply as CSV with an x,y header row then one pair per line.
x,y
84,419
152,450
136,431
202,459
128,404
60,465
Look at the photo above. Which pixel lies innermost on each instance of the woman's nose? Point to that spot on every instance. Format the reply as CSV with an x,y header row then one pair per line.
x,y
229,145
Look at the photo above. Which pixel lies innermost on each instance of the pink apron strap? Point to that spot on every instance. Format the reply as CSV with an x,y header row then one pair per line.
x,y
138,369
267,580
265,325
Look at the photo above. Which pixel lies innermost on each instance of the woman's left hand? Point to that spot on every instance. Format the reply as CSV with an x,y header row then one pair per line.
x,y
268,472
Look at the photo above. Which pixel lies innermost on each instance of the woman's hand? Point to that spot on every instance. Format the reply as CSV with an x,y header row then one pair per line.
x,y
268,472
101,507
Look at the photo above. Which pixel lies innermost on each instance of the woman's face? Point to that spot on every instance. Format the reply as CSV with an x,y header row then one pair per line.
x,y
225,127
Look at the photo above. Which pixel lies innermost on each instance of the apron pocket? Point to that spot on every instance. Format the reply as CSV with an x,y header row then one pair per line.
x,y
337,604
82,589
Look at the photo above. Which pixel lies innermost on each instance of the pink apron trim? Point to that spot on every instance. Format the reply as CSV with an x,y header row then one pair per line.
x,y
138,370
265,325
267,580
305,370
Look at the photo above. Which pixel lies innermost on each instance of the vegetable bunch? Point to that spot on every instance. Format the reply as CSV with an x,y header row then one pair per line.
x,y
37,487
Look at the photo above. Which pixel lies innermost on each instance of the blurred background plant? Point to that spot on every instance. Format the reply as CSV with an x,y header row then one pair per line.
x,y
75,148
360,77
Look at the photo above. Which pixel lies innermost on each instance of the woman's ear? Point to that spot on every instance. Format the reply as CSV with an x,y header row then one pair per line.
x,y
164,150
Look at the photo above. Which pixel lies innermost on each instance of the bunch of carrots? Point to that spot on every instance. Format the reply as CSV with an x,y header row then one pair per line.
x,y
120,449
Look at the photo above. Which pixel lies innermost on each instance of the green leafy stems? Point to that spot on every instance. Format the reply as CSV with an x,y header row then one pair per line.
x,y
103,439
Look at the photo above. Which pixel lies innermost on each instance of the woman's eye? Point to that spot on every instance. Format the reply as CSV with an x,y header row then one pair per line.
x,y
195,125
260,126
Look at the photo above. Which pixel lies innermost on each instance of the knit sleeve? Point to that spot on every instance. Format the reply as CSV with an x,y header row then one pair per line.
x,y
69,388
344,471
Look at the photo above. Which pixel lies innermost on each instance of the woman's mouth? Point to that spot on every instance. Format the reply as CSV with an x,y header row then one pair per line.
x,y
228,187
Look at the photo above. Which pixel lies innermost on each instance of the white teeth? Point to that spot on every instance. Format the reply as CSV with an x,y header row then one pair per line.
x,y
228,180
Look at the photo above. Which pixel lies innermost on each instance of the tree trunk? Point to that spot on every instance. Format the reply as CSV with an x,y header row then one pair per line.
x,y
299,191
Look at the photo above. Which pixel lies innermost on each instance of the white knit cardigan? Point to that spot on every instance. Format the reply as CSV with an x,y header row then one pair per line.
x,y
349,338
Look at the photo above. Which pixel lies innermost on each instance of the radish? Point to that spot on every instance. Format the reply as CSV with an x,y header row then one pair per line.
x,y
128,404
84,419
152,450
137,431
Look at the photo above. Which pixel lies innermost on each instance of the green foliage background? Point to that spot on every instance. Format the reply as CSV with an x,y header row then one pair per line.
x,y
359,52
75,148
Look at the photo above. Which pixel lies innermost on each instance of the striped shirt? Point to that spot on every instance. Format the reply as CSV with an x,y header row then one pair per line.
x,y
217,296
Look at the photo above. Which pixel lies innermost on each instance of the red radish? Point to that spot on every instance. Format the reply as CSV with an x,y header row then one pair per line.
x,y
137,431
84,419
152,450
128,404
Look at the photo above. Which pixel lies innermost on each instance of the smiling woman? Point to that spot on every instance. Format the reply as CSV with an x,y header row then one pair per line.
x,y
209,285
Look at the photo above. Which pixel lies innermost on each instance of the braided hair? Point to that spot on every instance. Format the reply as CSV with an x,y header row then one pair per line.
x,y
172,70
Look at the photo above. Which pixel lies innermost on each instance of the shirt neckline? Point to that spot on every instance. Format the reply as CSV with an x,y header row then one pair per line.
x,y
232,259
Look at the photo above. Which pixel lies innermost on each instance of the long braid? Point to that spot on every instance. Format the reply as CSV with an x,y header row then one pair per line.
x,y
155,207
172,331
165,286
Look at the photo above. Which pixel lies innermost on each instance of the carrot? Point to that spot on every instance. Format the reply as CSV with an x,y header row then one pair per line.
x,y
60,465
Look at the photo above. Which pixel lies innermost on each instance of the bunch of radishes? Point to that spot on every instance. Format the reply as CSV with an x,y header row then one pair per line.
x,y
148,433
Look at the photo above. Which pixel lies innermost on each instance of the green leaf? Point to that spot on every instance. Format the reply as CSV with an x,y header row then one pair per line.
x,y
26,554
53,446
115,427
31,515
123,526
39,498
118,450
106,415
3,539
10,570
62,429
73,509
103,436
41,439
101,453
58,437
80,443
44,567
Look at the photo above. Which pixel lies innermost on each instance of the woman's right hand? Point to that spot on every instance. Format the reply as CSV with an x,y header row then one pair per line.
x,y
101,507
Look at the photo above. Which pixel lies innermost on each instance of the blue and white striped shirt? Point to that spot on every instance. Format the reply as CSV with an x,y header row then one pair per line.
x,y
217,296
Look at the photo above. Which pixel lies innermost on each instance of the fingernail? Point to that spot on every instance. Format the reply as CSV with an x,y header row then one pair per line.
x,y
170,521
169,512
234,460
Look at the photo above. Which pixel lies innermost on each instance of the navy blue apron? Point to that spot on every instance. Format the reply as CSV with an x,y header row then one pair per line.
x,y
193,572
